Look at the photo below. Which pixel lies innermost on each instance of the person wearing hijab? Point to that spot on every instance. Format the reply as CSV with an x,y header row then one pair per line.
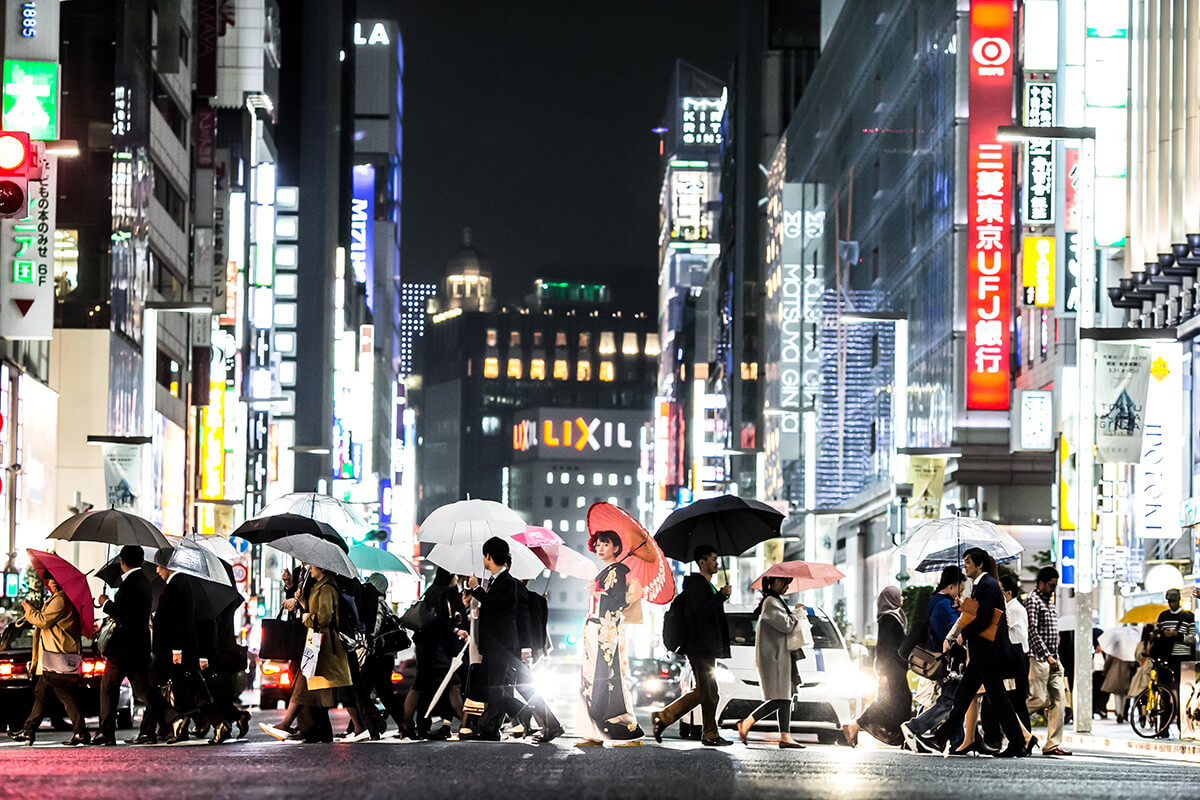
x,y
777,672
893,703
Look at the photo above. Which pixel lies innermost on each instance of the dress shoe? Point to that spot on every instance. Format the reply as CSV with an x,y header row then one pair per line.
x,y
549,735
793,745
716,741
77,740
143,738
102,739
243,724
474,736
657,726
222,732
21,736
179,732
201,730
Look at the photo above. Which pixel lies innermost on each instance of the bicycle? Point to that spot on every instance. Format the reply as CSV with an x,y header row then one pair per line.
x,y
1155,708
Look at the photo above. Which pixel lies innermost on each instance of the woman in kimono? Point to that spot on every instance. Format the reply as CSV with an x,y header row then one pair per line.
x,y
605,707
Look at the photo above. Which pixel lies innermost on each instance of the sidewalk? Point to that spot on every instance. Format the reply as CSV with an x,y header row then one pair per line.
x,y
1108,736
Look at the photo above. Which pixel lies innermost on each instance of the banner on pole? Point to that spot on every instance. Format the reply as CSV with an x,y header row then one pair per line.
x,y
927,474
1122,383
122,475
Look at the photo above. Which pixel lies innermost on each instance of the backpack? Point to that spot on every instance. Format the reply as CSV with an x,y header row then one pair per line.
x,y
347,617
675,630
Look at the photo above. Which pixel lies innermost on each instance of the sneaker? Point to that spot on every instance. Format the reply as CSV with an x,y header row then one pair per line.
x,y
272,731
911,741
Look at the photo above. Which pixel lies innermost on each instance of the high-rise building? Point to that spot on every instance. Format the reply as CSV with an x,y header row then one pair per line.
x,y
413,299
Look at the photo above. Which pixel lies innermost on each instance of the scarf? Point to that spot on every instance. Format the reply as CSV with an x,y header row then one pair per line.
x,y
891,604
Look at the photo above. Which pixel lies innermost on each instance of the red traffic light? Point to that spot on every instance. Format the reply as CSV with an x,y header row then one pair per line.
x,y
14,152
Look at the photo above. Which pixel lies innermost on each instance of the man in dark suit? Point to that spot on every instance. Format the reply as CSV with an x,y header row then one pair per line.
x,y
499,641
174,640
707,640
531,632
129,654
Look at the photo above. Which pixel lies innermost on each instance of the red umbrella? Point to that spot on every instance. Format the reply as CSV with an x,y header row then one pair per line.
x,y
639,551
72,581
804,575
548,546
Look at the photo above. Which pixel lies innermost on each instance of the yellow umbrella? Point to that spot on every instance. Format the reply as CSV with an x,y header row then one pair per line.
x,y
1144,613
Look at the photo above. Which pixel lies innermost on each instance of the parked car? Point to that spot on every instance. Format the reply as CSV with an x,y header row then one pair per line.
x,y
832,687
653,681
16,686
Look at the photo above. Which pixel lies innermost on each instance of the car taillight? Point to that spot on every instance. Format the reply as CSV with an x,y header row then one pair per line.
x,y
92,667
666,673
270,669
397,677
285,678
6,670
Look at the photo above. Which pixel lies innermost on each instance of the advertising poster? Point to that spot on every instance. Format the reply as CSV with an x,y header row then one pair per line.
x,y
1122,383
927,474
122,475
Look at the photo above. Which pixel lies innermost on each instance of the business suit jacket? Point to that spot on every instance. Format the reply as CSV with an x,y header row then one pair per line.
x,y
498,612
174,626
130,607
987,591
704,608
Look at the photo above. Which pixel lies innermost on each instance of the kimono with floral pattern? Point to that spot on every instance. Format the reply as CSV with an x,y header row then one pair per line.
x,y
606,708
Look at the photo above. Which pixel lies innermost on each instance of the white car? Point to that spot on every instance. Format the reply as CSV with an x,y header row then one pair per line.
x,y
831,692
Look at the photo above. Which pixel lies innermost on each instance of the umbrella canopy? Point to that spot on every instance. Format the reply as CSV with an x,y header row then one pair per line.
x,y
469,522
219,546
730,524
318,552
1144,613
321,507
947,539
110,527
214,599
374,559
548,546
268,530
1121,643
110,573
73,582
645,559
467,559
192,559
804,575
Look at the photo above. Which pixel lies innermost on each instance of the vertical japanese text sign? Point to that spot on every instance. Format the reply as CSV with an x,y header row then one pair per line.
x,y
989,200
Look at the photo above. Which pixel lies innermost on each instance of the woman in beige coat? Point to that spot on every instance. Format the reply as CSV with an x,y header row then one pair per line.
x,y
776,670
56,661
316,695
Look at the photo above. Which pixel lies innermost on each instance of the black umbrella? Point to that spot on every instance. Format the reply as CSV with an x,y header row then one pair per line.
x,y
213,599
111,527
731,525
265,530
110,573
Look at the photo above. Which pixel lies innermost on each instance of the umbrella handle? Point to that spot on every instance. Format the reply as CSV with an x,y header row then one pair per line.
x,y
634,550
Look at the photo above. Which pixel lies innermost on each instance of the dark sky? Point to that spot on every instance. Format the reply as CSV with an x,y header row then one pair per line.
x,y
529,121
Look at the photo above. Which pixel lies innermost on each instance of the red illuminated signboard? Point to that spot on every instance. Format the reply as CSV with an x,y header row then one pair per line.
x,y
989,200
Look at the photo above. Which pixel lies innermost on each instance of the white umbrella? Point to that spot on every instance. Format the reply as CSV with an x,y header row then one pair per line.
x,y
470,522
192,559
467,559
309,549
1120,643
935,537
219,546
321,507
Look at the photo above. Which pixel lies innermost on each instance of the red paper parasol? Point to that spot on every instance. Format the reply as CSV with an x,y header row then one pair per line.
x,y
639,551
548,546
804,575
72,581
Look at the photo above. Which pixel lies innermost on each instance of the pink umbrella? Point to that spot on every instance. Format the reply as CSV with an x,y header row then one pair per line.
x,y
72,581
548,546
804,575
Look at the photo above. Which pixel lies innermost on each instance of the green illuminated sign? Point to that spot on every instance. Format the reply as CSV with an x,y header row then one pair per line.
x,y
31,98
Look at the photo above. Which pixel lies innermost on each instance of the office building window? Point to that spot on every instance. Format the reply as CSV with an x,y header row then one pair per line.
x,y
580,525
564,477
549,502
492,337
491,368
490,426
608,344
614,501
560,339
612,479
514,368
564,501
629,344
550,478
514,339
629,478
548,524
597,479
562,370
579,479
537,338
537,369
580,501
564,526
652,347
607,373
583,371
584,340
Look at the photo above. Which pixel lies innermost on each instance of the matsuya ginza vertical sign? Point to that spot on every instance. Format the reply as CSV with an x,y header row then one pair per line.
x,y
989,200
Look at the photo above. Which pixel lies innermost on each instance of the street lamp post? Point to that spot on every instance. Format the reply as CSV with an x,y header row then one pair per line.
x,y
1085,434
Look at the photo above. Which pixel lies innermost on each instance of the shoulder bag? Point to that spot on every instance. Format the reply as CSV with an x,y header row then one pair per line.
x,y
106,637
926,664
61,663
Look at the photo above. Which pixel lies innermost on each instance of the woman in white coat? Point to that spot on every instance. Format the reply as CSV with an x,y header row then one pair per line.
x,y
776,671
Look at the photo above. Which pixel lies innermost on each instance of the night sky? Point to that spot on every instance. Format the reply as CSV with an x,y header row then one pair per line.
x,y
530,122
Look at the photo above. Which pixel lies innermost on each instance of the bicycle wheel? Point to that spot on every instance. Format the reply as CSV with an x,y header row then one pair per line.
x,y
1149,719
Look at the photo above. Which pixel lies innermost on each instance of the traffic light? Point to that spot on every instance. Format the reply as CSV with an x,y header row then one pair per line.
x,y
16,157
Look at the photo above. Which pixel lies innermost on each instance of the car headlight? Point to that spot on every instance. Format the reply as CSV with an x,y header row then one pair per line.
x,y
652,684
853,683
724,674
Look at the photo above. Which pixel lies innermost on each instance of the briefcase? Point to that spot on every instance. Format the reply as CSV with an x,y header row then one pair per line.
x,y
927,664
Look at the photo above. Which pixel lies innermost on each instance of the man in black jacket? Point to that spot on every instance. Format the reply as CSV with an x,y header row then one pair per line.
x,y
499,642
988,659
707,640
531,631
174,641
129,656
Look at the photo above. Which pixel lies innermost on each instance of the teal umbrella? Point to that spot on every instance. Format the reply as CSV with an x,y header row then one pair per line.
x,y
373,559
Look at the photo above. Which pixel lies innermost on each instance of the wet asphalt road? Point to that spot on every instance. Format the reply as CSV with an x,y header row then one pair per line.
x,y
264,769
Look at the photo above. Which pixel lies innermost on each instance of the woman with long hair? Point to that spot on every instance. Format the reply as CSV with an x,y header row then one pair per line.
x,y
775,663
435,645
318,694
893,703
605,707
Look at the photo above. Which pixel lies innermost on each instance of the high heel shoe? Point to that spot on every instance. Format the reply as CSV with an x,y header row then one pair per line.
x,y
976,747
1032,743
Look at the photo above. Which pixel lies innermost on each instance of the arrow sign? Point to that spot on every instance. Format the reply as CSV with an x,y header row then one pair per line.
x,y
23,305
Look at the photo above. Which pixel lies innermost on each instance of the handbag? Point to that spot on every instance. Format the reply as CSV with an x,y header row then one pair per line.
x,y
186,691
390,636
61,663
800,635
418,616
106,637
927,664
312,651
282,639
970,610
